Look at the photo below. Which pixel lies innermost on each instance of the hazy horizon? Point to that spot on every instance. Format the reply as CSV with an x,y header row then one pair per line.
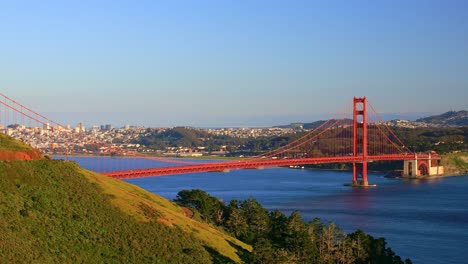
x,y
140,119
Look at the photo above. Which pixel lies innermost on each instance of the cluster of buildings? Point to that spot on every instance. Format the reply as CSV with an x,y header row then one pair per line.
x,y
103,140
251,132
410,124
106,140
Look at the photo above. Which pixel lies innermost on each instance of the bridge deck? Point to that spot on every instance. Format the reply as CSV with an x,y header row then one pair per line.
x,y
251,164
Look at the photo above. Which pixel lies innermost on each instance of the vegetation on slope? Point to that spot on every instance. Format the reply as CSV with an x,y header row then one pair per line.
x,y
54,211
8,143
441,140
186,137
11,149
278,238
455,163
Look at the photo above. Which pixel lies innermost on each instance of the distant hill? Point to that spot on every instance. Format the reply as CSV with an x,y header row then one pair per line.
x,y
314,124
54,211
186,137
451,118
448,119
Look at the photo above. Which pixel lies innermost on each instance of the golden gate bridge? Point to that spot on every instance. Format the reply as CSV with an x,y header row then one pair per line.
x,y
356,134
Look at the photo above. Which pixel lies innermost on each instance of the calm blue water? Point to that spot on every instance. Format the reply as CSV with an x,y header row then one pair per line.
x,y
425,220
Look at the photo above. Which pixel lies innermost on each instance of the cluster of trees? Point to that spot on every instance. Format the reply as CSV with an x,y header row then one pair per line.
x,y
187,137
277,238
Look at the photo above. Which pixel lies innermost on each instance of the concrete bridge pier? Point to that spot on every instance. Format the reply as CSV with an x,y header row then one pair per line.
x,y
360,174
423,165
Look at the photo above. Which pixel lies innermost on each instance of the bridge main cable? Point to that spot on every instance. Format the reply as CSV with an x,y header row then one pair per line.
x,y
30,110
285,148
391,131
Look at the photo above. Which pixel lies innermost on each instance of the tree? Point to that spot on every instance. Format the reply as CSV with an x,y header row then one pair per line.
x,y
263,252
327,244
210,208
361,244
344,252
367,249
236,222
257,219
298,240
278,227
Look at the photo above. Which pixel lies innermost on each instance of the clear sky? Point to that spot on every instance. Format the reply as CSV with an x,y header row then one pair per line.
x,y
232,63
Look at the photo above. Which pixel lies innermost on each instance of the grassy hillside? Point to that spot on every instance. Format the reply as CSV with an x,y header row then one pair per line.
x,y
8,143
55,211
455,163
11,149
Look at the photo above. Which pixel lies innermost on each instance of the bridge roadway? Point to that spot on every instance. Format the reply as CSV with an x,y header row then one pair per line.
x,y
251,164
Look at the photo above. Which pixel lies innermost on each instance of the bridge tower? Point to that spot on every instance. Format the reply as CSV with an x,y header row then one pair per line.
x,y
360,141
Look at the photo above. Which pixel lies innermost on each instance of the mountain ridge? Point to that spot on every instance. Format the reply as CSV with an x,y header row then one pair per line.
x,y
447,119
450,118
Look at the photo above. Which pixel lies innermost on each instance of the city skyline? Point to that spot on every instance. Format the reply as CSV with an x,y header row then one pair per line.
x,y
207,63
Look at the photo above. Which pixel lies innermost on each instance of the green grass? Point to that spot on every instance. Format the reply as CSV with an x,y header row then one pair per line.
x,y
55,211
455,162
8,143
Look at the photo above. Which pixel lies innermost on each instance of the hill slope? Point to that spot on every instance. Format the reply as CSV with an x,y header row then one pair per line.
x,y
315,124
451,118
455,163
55,211
11,149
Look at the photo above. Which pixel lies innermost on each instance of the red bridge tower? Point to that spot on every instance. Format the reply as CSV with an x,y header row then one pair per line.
x,y
360,141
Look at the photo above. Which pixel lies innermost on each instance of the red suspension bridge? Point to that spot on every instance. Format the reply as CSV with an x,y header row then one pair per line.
x,y
356,134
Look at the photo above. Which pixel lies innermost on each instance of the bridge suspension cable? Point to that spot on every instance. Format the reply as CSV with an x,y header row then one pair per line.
x,y
291,145
31,111
388,129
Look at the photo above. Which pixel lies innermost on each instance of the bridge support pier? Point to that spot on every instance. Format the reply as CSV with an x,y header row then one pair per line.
x,y
360,141
360,174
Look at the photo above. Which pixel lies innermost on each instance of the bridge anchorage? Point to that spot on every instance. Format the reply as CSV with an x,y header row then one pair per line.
x,y
422,165
354,136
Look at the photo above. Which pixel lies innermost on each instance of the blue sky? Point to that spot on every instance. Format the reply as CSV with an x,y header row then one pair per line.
x,y
231,63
